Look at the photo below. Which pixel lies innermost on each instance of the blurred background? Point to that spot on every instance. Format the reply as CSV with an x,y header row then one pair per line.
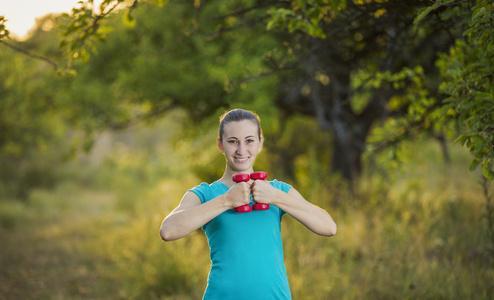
x,y
380,112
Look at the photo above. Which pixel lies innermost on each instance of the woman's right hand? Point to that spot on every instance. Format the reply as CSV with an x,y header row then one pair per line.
x,y
239,194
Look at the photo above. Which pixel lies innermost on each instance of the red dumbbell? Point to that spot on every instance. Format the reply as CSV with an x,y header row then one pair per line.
x,y
259,176
242,178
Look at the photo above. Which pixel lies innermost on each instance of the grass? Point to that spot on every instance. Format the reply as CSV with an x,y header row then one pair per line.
x,y
418,234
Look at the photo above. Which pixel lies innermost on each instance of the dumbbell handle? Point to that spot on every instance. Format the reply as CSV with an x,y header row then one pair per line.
x,y
242,178
259,176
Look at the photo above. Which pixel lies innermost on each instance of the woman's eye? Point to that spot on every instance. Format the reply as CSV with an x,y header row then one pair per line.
x,y
232,142
250,141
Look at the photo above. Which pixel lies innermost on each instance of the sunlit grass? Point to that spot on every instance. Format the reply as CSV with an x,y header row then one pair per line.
x,y
419,233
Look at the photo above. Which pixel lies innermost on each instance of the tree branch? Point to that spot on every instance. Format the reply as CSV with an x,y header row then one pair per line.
x,y
248,9
408,132
155,112
30,54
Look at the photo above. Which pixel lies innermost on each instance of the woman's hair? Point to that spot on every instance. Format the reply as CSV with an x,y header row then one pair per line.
x,y
237,115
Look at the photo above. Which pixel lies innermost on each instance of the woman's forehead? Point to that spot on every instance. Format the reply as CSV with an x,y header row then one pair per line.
x,y
241,129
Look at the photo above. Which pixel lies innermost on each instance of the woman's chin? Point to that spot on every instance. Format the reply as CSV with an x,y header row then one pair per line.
x,y
241,167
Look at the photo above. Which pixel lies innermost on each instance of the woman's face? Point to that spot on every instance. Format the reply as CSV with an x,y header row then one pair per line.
x,y
240,144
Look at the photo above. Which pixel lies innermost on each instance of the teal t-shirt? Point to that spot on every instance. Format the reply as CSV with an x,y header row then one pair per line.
x,y
246,250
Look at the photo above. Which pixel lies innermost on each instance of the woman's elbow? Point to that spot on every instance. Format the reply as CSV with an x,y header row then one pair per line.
x,y
330,230
333,230
166,234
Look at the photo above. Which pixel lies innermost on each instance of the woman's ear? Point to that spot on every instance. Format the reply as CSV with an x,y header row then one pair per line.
x,y
220,146
261,142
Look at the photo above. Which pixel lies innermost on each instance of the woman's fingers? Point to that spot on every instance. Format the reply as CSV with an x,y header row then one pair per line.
x,y
240,194
262,191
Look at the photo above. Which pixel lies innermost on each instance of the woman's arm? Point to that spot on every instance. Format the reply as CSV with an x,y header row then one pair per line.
x,y
314,218
191,214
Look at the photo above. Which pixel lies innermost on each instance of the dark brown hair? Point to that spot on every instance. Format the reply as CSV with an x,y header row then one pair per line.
x,y
237,115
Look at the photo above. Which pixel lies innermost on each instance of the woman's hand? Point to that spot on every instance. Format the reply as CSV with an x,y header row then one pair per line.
x,y
263,192
239,194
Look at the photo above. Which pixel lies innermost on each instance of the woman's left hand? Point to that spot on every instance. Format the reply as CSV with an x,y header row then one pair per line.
x,y
263,192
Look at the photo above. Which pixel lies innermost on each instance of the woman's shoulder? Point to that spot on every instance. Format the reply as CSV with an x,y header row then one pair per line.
x,y
202,185
285,187
208,191
208,186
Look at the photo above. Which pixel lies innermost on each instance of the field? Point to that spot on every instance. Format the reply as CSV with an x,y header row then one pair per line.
x,y
417,232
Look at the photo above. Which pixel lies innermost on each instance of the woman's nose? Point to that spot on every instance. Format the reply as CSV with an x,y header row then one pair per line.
x,y
240,148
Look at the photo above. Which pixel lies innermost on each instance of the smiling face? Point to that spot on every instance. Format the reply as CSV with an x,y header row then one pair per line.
x,y
240,144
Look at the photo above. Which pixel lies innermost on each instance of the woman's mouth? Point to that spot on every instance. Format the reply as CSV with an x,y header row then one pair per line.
x,y
241,159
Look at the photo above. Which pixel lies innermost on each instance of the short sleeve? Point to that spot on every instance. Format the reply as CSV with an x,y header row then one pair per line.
x,y
202,191
285,187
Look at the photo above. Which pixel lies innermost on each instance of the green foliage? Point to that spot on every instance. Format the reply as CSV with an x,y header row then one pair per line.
x,y
409,110
144,71
468,81
199,63
12,214
489,211
372,68
304,15
422,13
4,33
298,151
31,126
138,74
85,27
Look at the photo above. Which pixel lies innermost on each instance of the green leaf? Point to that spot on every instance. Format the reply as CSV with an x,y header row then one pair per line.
x,y
487,169
424,13
479,13
160,3
474,164
271,24
129,20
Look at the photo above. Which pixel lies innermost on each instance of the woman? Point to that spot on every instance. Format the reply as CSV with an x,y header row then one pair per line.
x,y
245,248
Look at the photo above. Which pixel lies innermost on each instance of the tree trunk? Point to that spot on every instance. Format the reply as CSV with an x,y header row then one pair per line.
x,y
347,153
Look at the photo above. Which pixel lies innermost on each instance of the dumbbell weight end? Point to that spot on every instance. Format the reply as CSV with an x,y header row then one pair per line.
x,y
259,176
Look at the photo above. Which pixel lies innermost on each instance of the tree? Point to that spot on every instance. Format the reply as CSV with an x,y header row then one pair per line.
x,y
348,64
31,122
144,71
467,77
364,69
369,63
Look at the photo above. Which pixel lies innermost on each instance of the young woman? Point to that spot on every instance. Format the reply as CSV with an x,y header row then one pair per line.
x,y
245,248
